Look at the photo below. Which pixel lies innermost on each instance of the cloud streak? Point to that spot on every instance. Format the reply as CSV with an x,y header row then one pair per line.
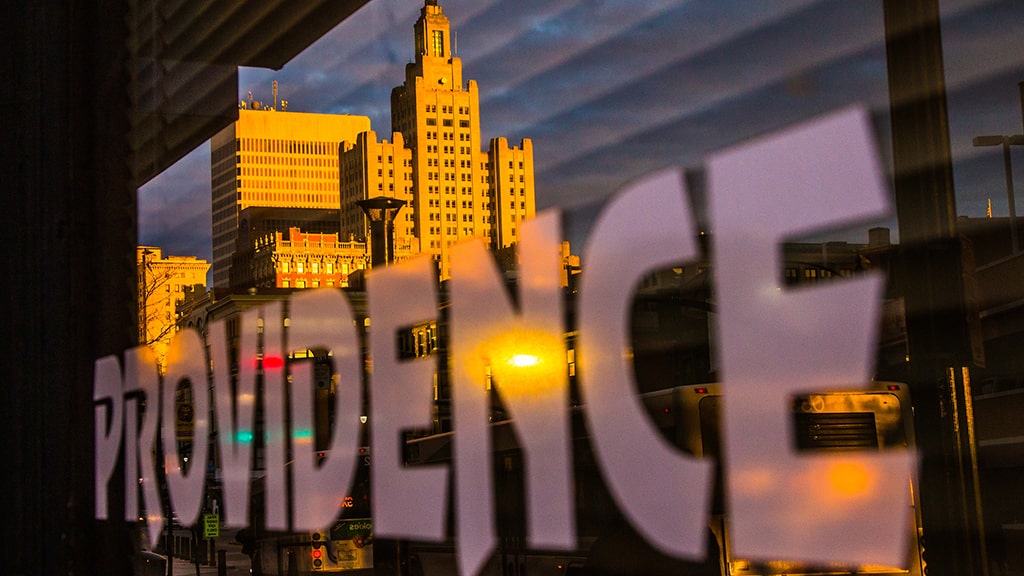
x,y
609,91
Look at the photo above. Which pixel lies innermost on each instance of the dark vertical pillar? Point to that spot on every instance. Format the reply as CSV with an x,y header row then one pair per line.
x,y
930,273
68,230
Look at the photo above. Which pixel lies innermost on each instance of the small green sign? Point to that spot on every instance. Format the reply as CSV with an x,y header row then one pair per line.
x,y
346,529
211,525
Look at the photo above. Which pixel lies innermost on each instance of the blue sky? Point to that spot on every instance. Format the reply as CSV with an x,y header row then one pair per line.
x,y
611,90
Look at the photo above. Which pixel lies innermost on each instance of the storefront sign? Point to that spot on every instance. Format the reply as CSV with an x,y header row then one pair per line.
x,y
773,343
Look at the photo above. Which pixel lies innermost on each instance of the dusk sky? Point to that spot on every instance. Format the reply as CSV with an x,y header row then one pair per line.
x,y
611,90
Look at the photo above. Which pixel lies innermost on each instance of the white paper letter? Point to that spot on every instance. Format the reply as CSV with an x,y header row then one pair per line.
x,y
235,415
186,361
322,320
523,354
664,493
777,342
141,375
275,430
408,502
108,397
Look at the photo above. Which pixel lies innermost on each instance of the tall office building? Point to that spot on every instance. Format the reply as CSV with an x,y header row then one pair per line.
x,y
274,159
458,191
451,190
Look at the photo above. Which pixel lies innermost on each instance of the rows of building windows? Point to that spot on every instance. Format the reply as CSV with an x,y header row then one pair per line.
x,y
223,153
449,149
273,171
288,184
432,108
276,146
448,136
288,160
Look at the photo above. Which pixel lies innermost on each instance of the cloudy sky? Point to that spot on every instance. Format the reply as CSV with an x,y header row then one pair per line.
x,y
610,90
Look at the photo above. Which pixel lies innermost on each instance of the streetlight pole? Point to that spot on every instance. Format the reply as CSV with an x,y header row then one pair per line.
x,y
1006,142
146,252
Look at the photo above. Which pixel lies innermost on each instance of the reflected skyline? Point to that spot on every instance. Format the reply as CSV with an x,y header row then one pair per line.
x,y
608,96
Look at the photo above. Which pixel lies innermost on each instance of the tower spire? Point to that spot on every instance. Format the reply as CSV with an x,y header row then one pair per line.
x,y
433,33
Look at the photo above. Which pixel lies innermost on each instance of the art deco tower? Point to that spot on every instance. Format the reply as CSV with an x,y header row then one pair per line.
x,y
458,191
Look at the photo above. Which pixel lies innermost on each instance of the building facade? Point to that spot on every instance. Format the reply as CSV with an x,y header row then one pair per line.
x,y
371,168
295,259
273,159
162,284
256,229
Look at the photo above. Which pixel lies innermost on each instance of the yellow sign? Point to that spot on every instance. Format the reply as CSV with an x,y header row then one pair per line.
x,y
211,525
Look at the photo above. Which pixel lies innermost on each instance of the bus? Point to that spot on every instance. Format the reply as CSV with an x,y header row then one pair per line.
x,y
876,418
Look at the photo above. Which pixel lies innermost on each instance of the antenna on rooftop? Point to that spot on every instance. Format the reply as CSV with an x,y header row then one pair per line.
x,y
275,94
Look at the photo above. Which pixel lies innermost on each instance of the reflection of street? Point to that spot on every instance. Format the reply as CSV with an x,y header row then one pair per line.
x,y
226,560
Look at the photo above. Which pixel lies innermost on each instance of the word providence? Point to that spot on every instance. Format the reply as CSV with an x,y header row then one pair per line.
x,y
771,342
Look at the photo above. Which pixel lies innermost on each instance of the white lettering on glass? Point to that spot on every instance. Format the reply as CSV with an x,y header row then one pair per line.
x,y
774,343
321,321
777,342
235,414
646,227
108,397
275,426
186,365
132,407
408,502
521,356
141,375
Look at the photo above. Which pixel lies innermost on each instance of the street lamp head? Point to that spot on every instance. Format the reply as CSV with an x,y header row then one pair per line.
x,y
998,140
994,140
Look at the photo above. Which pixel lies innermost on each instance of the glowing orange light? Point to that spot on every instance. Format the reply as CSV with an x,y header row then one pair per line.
x,y
850,478
522,359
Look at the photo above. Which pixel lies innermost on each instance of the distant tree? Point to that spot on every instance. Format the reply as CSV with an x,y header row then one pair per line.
x,y
159,290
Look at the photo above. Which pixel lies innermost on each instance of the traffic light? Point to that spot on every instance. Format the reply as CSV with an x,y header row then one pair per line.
x,y
318,545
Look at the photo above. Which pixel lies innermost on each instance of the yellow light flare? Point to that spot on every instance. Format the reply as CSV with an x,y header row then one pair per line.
x,y
523,360
850,479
